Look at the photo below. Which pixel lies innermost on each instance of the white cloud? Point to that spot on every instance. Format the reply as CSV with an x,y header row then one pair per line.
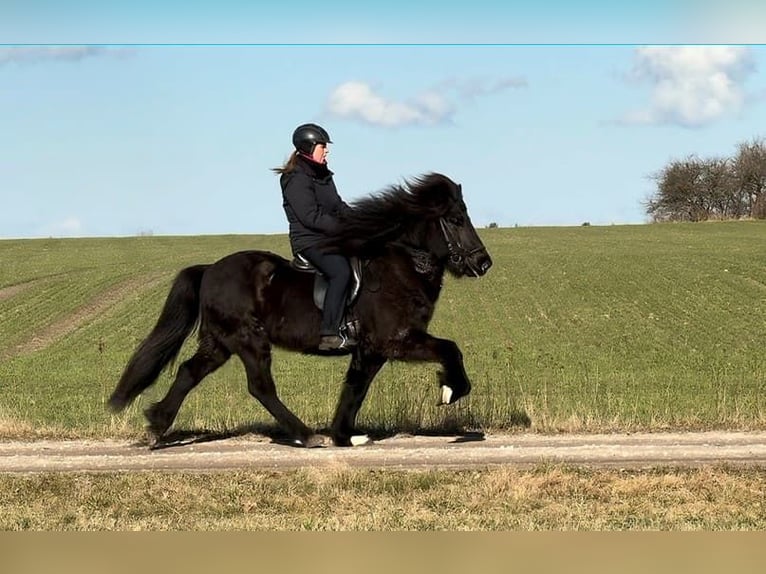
x,y
32,55
477,87
691,85
360,101
357,100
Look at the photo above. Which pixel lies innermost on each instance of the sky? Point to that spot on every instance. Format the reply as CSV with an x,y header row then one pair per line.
x,y
165,118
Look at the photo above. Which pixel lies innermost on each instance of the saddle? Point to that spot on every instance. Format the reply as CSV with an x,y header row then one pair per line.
x,y
300,263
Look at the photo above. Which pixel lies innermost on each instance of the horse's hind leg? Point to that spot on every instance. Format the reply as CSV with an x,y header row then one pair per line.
x,y
361,372
209,356
256,357
420,346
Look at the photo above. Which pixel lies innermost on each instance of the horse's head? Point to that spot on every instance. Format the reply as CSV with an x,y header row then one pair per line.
x,y
427,211
457,240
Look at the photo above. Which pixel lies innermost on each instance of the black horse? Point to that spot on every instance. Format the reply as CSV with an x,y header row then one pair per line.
x,y
406,236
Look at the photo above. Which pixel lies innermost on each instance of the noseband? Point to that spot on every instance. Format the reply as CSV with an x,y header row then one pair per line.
x,y
457,253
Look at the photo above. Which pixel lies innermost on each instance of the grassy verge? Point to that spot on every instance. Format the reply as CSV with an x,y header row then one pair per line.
x,y
544,498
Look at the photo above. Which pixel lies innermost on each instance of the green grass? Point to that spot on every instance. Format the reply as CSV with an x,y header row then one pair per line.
x,y
586,328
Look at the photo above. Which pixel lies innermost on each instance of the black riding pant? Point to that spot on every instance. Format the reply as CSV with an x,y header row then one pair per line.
x,y
337,271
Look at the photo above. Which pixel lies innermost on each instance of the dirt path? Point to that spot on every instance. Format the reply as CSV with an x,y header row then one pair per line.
x,y
400,452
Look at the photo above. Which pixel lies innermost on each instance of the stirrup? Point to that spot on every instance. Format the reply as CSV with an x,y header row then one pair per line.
x,y
335,343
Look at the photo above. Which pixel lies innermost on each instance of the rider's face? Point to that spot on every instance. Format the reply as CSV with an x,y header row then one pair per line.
x,y
320,152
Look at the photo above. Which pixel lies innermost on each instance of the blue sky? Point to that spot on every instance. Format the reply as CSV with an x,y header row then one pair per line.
x,y
165,117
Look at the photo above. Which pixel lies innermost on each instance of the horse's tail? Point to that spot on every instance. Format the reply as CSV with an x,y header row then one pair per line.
x,y
177,320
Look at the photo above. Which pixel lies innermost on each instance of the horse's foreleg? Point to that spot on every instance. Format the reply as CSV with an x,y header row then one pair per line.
x,y
260,384
361,372
208,358
420,346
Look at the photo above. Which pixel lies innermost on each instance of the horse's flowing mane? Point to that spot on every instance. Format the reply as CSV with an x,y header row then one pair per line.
x,y
385,215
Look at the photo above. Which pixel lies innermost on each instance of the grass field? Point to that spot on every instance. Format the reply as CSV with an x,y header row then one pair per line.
x,y
584,328
574,329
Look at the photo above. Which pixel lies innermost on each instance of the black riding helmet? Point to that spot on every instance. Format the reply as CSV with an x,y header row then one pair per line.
x,y
306,136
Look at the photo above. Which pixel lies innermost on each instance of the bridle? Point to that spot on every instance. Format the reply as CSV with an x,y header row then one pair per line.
x,y
457,253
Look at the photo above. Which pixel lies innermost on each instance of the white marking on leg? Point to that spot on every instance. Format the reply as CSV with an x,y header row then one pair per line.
x,y
446,394
360,440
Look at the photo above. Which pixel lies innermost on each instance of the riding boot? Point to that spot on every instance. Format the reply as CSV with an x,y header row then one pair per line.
x,y
344,339
335,342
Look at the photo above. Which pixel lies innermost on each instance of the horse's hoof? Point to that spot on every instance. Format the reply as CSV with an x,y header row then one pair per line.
x,y
154,439
361,440
446,397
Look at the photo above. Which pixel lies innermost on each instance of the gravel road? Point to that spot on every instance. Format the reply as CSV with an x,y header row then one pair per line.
x,y
477,450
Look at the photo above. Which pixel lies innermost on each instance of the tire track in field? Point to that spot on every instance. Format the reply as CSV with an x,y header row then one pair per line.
x,y
100,304
13,290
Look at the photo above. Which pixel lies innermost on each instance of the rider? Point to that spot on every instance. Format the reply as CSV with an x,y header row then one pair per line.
x,y
312,206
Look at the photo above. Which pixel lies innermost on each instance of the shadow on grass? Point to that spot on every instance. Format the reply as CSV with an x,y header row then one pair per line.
x,y
463,427
462,430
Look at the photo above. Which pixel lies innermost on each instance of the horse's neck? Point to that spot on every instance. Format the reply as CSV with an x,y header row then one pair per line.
x,y
425,263
427,267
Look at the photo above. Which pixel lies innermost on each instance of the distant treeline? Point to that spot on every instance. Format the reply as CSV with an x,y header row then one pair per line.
x,y
700,189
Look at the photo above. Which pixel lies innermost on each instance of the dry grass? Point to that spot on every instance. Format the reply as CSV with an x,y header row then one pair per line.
x,y
343,499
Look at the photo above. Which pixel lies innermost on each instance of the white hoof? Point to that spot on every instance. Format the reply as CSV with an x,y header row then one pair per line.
x,y
360,440
446,394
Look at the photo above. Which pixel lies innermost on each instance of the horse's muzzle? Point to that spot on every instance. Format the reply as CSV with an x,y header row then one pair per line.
x,y
479,263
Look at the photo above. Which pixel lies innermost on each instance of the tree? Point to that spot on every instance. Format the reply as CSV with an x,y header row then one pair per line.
x,y
717,189
750,175
677,197
695,189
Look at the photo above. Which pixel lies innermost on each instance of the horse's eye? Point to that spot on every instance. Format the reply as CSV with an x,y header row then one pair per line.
x,y
457,220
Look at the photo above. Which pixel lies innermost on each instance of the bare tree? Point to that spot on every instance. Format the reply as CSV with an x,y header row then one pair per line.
x,y
750,175
695,189
717,189
677,197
